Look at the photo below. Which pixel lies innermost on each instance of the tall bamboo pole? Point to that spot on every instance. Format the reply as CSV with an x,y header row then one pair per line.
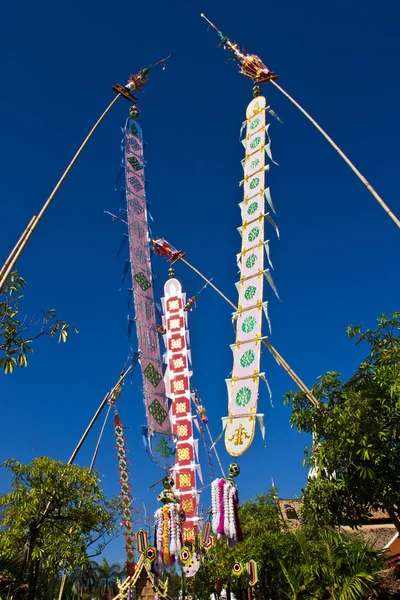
x,y
215,450
64,577
341,154
97,414
16,252
279,359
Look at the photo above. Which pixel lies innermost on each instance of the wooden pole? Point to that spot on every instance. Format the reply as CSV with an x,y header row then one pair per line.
x,y
96,450
16,253
341,154
266,343
17,245
96,416
209,282
215,450
21,245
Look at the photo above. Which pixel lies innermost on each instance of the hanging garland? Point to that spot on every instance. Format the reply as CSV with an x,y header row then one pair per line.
x,y
224,507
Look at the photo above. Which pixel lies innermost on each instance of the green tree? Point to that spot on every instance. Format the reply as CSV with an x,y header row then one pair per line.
x,y
332,566
19,333
54,517
356,431
84,577
106,581
263,542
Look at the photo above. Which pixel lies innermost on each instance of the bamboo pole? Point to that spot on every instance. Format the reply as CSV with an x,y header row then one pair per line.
x,y
21,245
16,253
209,282
96,415
266,343
64,577
96,450
341,154
17,245
215,450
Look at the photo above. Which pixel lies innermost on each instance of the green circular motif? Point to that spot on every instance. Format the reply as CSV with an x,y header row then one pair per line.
x,y
254,233
254,183
247,358
254,163
250,292
252,208
255,123
255,142
248,324
251,261
243,396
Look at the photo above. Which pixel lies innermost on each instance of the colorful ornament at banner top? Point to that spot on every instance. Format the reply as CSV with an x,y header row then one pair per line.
x,y
134,112
251,65
234,470
243,386
167,496
224,507
126,497
164,248
158,434
137,82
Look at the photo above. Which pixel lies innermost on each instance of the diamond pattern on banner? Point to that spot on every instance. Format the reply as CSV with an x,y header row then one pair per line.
x,y
136,205
152,375
142,280
135,164
158,412
136,183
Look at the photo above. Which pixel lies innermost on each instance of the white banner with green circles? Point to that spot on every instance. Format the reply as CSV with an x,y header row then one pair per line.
x,y
244,383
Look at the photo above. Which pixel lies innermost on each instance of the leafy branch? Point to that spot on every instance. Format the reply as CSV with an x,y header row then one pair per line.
x,y
19,333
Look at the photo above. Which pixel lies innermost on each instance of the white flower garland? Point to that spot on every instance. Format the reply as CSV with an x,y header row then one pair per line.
x,y
173,530
232,520
226,508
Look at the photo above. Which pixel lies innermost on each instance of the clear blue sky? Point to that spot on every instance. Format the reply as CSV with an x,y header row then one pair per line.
x,y
336,263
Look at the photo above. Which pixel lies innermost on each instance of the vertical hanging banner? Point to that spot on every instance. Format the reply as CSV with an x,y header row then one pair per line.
x,y
244,383
177,381
158,432
126,496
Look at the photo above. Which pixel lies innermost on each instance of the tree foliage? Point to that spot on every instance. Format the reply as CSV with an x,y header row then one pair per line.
x,y
356,431
18,333
332,566
307,564
106,579
55,517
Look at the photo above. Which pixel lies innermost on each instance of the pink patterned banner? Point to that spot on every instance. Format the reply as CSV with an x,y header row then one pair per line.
x,y
157,412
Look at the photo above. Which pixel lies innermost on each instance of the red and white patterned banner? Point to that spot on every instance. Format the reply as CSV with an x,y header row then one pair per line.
x,y
177,383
